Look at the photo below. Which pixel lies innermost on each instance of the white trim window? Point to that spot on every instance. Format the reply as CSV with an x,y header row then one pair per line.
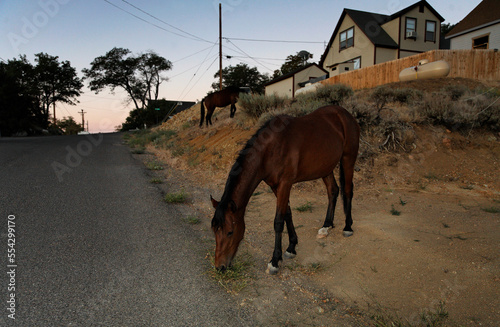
x,y
347,39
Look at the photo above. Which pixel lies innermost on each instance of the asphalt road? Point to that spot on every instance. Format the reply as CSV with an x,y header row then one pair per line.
x,y
95,245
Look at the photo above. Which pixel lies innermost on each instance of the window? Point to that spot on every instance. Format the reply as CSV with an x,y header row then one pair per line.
x,y
357,63
481,42
347,38
430,31
411,28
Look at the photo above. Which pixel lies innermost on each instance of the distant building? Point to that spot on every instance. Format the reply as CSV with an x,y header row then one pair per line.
x,y
288,84
480,29
363,39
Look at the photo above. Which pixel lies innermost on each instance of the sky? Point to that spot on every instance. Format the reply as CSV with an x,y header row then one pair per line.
x,y
184,32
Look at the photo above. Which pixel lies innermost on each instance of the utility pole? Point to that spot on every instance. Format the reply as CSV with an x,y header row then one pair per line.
x,y
83,119
220,47
54,110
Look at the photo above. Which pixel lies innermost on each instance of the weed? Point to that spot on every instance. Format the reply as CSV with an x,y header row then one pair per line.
x,y
139,150
305,207
193,161
402,202
152,165
491,209
176,197
156,181
431,176
309,269
435,318
395,212
237,277
192,220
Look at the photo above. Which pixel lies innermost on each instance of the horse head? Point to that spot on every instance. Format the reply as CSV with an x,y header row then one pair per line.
x,y
229,227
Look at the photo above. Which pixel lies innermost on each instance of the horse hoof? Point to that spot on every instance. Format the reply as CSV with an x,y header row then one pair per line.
x,y
323,232
271,270
347,233
289,255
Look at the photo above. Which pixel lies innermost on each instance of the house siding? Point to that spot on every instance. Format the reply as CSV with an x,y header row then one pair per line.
x,y
282,88
392,28
288,86
363,47
411,46
465,41
384,54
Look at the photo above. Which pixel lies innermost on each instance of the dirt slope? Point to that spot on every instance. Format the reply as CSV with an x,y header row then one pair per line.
x,y
426,229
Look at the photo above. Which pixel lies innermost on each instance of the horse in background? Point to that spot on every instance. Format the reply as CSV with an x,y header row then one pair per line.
x,y
283,152
228,96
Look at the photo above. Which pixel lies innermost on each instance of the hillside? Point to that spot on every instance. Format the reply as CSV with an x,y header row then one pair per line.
x,y
426,224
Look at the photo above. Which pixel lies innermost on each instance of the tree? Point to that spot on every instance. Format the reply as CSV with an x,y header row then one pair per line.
x,y
140,76
16,99
242,75
445,28
55,82
293,63
69,126
27,92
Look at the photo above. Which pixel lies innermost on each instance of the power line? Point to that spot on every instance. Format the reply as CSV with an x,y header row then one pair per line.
x,y
274,41
164,22
192,77
176,61
153,24
246,54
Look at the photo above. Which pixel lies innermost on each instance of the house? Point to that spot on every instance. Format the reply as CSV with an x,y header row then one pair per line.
x,y
288,84
363,39
480,29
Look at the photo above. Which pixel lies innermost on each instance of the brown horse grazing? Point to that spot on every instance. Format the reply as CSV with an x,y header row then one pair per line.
x,y
285,151
223,98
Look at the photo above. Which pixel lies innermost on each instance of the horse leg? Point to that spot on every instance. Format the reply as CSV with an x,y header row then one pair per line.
x,y
283,194
290,252
346,177
333,192
210,111
233,109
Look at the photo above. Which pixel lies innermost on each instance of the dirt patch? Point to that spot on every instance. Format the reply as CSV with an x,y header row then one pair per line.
x,y
426,229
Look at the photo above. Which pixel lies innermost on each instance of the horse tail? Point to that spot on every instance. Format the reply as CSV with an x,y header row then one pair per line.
x,y
202,112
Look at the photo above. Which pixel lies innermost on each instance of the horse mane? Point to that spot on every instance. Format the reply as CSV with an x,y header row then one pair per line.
x,y
234,177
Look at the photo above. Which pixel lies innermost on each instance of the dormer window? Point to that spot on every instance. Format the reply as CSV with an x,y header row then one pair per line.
x,y
347,38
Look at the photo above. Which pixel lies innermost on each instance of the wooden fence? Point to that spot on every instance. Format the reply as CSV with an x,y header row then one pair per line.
x,y
474,64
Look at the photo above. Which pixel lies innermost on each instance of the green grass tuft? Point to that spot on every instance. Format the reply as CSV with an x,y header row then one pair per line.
x,y
176,197
237,277
305,207
395,212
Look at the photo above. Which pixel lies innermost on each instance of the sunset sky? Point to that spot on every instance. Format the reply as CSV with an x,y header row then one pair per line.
x,y
184,32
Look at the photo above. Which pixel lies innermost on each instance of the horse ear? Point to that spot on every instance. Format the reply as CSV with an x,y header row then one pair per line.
x,y
214,202
233,206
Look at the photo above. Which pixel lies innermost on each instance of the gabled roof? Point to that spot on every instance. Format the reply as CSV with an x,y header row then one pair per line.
x,y
420,3
370,24
486,13
283,77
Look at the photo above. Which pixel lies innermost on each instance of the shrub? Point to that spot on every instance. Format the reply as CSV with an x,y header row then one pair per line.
x,y
455,92
477,111
382,95
407,95
254,105
332,93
